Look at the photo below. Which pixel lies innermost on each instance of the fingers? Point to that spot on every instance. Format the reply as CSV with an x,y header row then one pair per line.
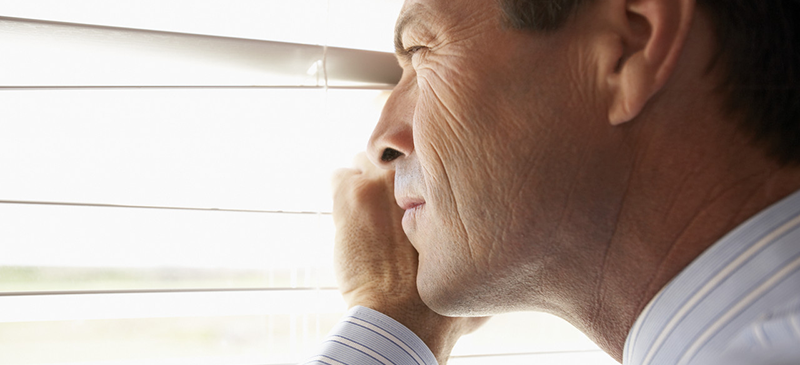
x,y
364,189
363,171
362,163
341,175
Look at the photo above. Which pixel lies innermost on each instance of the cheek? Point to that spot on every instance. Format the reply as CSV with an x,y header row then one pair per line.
x,y
446,136
470,128
462,158
455,115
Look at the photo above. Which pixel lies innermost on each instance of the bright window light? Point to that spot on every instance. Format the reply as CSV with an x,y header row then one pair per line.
x,y
207,148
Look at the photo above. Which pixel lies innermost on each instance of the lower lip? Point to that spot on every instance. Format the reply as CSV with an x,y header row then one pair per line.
x,y
410,216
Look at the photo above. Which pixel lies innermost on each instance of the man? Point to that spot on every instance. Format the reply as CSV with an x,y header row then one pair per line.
x,y
628,165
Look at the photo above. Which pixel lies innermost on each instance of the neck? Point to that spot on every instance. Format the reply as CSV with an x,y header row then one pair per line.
x,y
670,215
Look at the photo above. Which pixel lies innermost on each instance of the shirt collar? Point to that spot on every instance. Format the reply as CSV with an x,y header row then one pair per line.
x,y
675,316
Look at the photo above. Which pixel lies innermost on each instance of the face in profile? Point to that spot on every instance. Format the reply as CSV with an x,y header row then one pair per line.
x,y
492,128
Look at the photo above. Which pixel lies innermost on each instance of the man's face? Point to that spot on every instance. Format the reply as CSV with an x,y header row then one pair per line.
x,y
494,126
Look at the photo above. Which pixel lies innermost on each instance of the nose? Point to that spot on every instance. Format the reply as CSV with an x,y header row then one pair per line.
x,y
393,137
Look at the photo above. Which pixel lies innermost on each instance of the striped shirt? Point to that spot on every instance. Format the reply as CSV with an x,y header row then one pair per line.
x,y
365,336
738,303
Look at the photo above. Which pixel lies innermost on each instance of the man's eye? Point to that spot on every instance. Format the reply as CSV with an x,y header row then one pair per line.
x,y
413,49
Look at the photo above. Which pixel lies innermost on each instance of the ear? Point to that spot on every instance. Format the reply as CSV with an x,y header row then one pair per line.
x,y
651,37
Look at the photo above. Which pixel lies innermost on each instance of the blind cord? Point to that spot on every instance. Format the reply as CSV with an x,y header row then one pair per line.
x,y
325,46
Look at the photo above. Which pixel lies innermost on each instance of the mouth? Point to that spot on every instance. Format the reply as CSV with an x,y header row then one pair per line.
x,y
412,207
410,218
409,202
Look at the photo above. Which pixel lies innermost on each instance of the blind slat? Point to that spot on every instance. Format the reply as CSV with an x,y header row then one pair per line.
x,y
69,54
74,204
360,24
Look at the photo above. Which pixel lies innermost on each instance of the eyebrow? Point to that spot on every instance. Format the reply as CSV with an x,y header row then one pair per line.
x,y
406,18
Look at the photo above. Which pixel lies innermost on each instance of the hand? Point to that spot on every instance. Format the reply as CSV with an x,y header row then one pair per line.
x,y
376,265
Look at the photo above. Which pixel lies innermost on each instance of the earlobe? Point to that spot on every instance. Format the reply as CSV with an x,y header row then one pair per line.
x,y
632,87
652,34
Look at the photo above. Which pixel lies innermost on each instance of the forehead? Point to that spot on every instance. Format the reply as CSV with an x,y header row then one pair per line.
x,y
443,9
416,13
442,13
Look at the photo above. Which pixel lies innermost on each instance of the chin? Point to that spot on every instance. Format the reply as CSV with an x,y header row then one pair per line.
x,y
444,298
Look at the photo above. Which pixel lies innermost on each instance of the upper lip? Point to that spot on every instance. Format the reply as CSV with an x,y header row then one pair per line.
x,y
407,202
406,190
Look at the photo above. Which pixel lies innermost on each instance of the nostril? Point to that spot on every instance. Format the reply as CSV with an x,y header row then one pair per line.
x,y
390,155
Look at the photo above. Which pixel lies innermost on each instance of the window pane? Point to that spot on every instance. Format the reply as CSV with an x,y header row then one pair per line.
x,y
245,327
363,24
235,148
61,248
229,340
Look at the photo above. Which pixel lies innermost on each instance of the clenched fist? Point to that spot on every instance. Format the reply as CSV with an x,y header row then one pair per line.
x,y
376,265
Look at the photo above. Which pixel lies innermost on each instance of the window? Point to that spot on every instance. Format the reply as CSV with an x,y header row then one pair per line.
x,y
164,181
